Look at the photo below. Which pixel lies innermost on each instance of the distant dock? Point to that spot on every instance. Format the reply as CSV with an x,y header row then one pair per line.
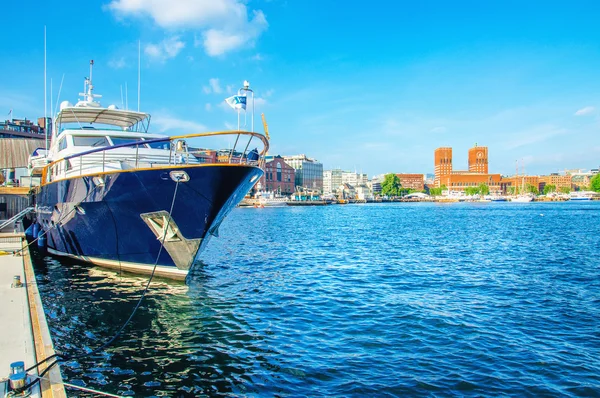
x,y
25,335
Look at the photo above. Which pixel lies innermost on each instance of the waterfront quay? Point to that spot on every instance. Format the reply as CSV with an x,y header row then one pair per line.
x,y
25,336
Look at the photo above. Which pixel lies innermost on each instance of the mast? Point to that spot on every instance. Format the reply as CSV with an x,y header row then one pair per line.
x,y
517,177
139,70
45,95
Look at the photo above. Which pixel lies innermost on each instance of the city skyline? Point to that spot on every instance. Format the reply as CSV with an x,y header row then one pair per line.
x,y
373,89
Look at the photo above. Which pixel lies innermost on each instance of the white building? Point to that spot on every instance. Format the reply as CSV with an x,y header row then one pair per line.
x,y
332,179
309,172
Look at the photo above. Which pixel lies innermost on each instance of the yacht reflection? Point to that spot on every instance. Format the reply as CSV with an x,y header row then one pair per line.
x,y
185,338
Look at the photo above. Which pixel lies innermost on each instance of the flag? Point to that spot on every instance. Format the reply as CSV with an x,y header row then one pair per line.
x,y
237,101
10,113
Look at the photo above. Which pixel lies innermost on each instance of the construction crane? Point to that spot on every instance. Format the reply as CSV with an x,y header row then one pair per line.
x,y
265,125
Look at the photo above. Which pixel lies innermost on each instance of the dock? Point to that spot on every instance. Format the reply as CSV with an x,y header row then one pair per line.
x,y
25,335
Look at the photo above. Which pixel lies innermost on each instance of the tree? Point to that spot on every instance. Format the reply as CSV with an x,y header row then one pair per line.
x,y
511,190
471,191
549,188
565,189
531,189
595,183
435,191
391,185
484,189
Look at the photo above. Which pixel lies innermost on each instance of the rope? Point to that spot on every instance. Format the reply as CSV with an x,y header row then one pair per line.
x,y
75,386
63,358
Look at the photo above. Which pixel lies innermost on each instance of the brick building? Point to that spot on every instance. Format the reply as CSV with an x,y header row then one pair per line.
x,y
478,159
278,177
458,180
520,182
412,181
443,163
560,181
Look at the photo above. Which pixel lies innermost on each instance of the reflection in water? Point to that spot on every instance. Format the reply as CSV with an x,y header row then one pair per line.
x,y
182,338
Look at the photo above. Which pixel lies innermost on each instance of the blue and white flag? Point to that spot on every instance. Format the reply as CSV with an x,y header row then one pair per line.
x,y
237,101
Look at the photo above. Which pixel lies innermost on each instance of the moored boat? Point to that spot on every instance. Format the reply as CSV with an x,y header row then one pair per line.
x,y
117,196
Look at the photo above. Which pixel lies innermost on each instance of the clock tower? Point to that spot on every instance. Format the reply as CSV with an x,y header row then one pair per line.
x,y
478,159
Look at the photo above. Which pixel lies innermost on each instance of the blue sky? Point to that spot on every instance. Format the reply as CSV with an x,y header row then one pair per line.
x,y
362,86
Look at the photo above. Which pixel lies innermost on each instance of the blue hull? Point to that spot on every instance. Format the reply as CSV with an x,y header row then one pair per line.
x,y
117,220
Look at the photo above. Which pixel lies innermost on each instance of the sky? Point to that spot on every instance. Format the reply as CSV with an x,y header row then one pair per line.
x,y
373,87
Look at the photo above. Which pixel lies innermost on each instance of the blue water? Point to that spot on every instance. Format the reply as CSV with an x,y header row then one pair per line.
x,y
353,300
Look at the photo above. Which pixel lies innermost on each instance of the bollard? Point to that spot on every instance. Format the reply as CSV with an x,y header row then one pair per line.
x,y
18,380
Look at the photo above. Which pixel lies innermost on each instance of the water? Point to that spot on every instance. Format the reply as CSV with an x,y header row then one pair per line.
x,y
355,300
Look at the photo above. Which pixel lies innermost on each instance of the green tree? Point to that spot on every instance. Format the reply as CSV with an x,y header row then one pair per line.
x,y
595,183
531,189
511,190
565,189
484,189
391,185
549,188
435,191
471,191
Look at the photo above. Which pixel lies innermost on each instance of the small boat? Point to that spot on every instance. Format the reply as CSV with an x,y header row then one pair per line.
x,y
577,196
522,199
115,195
270,199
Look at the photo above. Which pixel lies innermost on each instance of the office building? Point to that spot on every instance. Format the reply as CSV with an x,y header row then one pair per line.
x,y
308,172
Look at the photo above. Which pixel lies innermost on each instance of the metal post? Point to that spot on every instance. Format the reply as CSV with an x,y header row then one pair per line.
x,y
103,158
137,150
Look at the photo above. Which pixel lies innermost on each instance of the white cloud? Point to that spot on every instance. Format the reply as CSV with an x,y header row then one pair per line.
x,y
213,87
165,123
208,107
438,129
168,48
585,111
224,24
117,63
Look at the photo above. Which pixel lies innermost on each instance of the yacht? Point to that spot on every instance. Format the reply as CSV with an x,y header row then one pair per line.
x,y
271,199
116,195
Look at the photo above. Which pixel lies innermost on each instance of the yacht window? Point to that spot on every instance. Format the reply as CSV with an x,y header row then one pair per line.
x,y
79,140
159,145
124,140
62,144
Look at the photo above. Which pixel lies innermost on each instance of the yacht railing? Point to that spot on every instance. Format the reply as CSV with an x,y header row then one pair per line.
x,y
176,153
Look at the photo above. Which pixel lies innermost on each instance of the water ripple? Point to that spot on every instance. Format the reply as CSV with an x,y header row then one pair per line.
x,y
383,300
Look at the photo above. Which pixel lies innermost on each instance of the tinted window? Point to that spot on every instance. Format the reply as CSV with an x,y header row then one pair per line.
x,y
159,145
124,140
62,144
89,141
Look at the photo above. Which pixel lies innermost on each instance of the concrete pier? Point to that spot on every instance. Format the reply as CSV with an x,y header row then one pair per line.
x,y
24,335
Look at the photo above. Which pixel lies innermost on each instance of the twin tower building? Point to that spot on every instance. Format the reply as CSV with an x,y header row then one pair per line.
x,y
458,180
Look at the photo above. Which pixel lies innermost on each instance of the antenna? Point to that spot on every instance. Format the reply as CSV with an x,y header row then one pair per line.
x,y
51,104
45,94
126,103
122,105
139,70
